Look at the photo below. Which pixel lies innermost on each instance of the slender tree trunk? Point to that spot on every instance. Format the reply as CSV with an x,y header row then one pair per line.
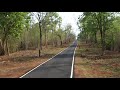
x,y
56,44
7,48
104,30
45,38
101,33
86,37
118,48
2,47
104,41
60,40
112,43
95,37
40,47
101,28
65,39
53,39
26,39
3,43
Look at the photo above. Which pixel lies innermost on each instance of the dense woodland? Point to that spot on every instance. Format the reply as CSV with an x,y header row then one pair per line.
x,y
18,31
101,29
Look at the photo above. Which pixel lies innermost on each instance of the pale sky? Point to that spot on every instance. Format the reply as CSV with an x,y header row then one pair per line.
x,y
72,18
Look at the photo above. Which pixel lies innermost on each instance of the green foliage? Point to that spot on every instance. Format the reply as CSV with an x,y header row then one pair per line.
x,y
13,23
103,25
18,31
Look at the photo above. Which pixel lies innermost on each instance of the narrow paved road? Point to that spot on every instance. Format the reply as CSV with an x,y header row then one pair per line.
x,y
57,67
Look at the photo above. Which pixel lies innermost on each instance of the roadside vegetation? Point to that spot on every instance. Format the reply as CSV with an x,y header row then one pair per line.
x,y
30,38
98,49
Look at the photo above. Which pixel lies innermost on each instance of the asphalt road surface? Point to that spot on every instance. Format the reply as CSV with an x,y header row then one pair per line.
x,y
57,67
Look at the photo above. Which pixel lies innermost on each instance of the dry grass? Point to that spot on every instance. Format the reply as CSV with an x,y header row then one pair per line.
x,y
96,68
18,63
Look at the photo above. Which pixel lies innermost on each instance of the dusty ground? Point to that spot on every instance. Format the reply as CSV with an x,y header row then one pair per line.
x,y
18,63
89,64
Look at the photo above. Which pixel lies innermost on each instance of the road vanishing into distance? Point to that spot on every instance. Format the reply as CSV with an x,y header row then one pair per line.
x,y
60,66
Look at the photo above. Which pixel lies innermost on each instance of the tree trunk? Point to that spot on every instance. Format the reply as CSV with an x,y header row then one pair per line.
x,y
95,37
26,39
2,52
103,45
85,37
60,41
40,47
45,38
7,48
104,30
112,43
53,39
56,43
3,43
118,48
0,46
101,28
101,33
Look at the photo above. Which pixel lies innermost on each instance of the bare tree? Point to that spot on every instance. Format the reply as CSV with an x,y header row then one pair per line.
x,y
40,17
